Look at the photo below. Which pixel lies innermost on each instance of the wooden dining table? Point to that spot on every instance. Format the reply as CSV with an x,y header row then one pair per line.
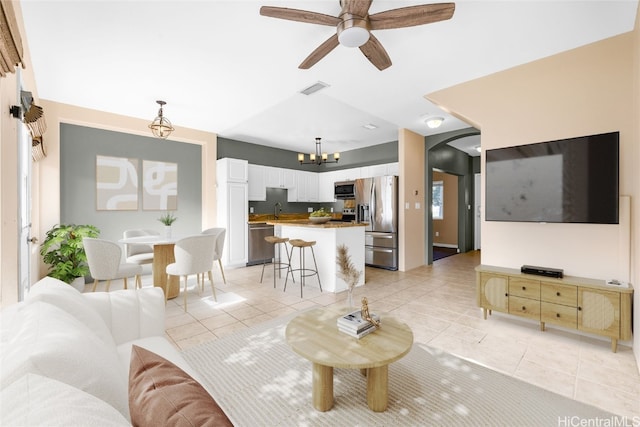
x,y
162,256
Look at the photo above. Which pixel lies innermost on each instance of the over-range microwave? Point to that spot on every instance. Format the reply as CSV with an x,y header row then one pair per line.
x,y
345,190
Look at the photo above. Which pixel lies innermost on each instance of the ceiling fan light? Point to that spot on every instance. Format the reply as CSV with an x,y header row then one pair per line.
x,y
434,122
353,36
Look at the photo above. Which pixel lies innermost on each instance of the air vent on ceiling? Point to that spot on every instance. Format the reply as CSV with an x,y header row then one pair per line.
x,y
314,88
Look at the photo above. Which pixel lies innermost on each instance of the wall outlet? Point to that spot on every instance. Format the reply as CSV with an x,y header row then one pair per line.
x,y
331,210
251,209
437,233
309,210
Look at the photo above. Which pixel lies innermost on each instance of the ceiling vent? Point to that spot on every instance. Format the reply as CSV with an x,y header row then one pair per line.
x,y
314,88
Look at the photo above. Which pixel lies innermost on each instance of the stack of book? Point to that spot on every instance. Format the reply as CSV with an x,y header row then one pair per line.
x,y
353,324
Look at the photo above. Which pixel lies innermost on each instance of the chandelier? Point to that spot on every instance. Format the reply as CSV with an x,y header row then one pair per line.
x,y
161,126
318,157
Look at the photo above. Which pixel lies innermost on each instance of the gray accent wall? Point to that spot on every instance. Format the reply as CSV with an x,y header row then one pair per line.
x,y
277,157
79,146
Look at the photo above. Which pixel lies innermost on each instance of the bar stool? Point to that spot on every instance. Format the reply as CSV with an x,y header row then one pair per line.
x,y
278,263
304,271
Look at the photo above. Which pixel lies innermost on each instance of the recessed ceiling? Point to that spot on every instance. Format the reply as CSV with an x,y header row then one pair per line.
x,y
223,68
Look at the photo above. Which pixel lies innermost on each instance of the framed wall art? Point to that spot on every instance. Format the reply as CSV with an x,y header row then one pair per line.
x,y
159,185
116,183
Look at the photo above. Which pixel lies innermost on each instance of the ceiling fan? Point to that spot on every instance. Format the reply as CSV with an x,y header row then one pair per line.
x,y
354,25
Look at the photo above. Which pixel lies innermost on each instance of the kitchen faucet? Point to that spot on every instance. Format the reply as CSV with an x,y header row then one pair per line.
x,y
276,211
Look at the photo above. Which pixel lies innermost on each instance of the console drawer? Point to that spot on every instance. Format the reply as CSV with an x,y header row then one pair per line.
x,y
524,307
559,294
525,288
559,314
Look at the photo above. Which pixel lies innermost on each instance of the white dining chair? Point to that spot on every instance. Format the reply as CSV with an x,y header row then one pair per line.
x,y
193,255
220,233
104,260
137,253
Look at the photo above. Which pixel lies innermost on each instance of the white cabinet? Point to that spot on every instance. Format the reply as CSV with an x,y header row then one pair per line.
x,y
326,181
306,189
347,174
232,170
232,209
257,185
289,178
393,168
379,170
278,177
311,181
273,177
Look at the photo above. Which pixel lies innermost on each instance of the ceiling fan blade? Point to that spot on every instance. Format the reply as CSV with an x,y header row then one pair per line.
x,y
320,52
356,7
411,16
299,15
375,53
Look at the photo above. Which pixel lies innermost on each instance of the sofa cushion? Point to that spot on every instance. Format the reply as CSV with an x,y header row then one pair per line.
x,y
160,346
130,314
45,340
66,297
160,393
34,400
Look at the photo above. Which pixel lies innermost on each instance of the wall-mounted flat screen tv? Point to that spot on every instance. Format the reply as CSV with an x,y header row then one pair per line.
x,y
571,180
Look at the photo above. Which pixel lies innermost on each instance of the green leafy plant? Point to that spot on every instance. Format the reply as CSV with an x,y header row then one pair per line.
x,y
168,218
63,251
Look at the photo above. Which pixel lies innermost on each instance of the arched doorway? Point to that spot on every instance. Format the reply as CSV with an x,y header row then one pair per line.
x,y
456,155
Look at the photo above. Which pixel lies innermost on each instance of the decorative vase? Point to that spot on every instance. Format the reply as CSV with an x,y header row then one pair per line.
x,y
167,231
350,297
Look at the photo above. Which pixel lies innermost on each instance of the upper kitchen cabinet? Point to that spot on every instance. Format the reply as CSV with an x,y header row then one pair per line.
x,y
257,183
379,170
326,181
279,177
289,178
347,174
393,168
312,182
306,189
233,170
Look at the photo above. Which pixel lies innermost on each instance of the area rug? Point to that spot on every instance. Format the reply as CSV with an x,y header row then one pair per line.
x,y
259,381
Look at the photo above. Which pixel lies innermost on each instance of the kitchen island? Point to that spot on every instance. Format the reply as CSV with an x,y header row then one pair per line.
x,y
328,237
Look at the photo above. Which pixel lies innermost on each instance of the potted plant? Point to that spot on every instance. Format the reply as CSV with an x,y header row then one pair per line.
x,y
63,251
167,219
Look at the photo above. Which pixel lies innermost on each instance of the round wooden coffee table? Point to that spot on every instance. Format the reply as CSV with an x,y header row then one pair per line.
x,y
314,335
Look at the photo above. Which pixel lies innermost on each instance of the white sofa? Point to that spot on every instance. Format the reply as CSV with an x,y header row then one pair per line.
x,y
65,354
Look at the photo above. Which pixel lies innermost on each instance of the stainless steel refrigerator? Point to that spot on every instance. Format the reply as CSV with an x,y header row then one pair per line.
x,y
377,205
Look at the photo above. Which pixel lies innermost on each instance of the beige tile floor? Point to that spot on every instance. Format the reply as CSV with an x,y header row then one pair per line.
x,y
439,304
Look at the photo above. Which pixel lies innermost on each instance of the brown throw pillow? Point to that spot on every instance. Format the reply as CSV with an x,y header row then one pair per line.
x,y
161,394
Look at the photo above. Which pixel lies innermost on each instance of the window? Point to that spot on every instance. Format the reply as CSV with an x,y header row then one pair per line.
x,y
437,199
